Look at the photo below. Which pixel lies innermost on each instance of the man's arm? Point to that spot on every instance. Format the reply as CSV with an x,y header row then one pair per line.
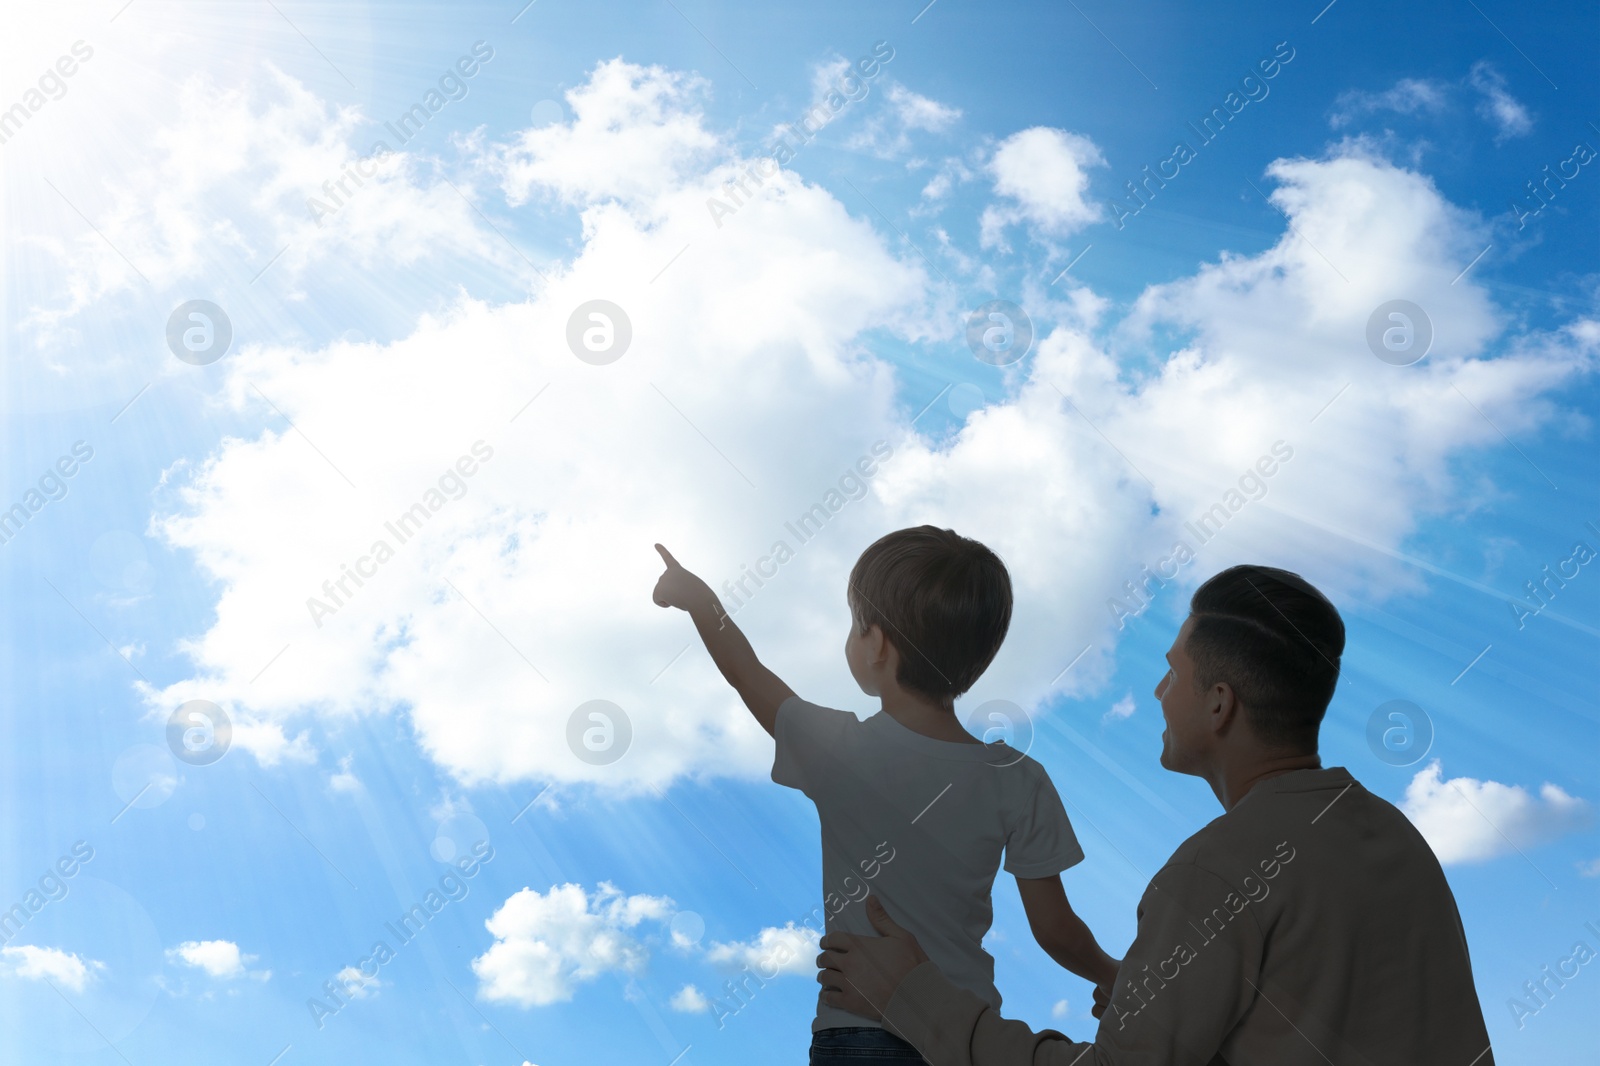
x,y
762,690
1187,980
889,977
1061,933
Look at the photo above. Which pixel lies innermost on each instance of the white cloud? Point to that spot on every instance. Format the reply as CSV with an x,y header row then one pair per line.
x,y
1412,96
345,780
180,206
1509,117
918,112
1043,172
690,1000
266,740
887,133
547,944
214,179
221,959
1060,1009
52,965
356,984
791,949
1123,708
505,612
1407,96
1589,868
952,173
1467,820
637,132
774,301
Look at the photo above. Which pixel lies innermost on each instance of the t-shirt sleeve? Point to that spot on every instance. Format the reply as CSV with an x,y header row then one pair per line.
x,y
1040,841
804,736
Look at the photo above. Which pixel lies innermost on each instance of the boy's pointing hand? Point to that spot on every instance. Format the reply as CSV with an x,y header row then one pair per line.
x,y
677,587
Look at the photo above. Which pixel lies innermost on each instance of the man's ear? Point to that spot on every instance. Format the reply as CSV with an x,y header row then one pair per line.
x,y
1223,706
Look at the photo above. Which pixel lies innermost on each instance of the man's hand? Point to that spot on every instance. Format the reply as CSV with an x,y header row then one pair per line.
x,y
859,974
677,587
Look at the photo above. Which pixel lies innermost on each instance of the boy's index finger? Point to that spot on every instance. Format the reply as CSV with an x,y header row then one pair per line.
x,y
666,555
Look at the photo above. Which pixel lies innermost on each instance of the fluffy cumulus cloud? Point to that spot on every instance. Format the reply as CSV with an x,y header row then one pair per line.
x,y
689,1000
221,959
456,524
521,512
236,183
277,155
546,944
52,965
1042,175
636,133
1467,820
789,949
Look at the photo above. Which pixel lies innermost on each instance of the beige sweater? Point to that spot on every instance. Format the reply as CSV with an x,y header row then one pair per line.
x,y
1309,925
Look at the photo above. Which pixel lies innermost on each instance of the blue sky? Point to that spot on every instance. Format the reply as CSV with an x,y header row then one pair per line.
x,y
373,349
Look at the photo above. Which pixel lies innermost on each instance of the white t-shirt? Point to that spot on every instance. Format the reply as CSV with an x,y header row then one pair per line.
x,y
920,823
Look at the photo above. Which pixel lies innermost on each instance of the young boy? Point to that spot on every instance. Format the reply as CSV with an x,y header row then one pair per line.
x,y
907,798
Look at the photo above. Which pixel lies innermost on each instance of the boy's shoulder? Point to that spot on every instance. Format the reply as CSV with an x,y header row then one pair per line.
x,y
810,741
1026,775
798,717
800,707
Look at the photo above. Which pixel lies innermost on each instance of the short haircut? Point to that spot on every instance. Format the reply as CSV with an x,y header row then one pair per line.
x,y
1276,641
943,600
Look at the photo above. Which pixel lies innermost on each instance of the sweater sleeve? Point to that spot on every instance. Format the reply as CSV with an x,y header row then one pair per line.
x,y
1185,983
952,1027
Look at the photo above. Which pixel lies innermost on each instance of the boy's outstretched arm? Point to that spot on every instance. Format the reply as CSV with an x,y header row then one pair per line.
x,y
1062,934
762,690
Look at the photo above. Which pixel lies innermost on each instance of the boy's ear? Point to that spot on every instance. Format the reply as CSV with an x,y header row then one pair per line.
x,y
878,646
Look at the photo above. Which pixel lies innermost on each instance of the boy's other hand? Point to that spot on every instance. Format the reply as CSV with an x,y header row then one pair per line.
x,y
677,587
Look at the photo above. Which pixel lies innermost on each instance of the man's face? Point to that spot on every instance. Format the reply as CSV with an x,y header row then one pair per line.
x,y
1182,707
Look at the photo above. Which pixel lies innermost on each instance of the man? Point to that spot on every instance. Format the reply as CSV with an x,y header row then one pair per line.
x,y
1309,924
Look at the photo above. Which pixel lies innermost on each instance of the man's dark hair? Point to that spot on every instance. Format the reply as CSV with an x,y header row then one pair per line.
x,y
943,600
1272,637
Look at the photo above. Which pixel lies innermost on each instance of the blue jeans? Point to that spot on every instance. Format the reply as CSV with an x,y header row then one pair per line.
x,y
859,1046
